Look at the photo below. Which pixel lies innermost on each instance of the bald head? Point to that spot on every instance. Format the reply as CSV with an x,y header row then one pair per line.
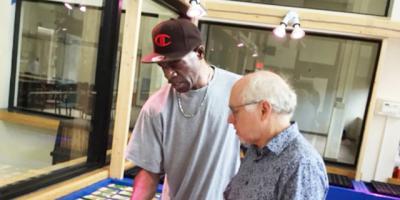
x,y
266,85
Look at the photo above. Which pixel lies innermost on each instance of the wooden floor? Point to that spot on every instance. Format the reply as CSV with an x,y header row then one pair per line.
x,y
395,181
8,171
30,120
349,172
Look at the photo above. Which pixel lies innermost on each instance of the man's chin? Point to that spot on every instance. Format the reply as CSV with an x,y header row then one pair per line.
x,y
180,88
244,143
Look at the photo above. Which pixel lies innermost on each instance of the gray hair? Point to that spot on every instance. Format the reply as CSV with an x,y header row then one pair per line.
x,y
266,85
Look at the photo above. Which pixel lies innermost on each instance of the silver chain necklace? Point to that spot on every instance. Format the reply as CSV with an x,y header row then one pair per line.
x,y
189,115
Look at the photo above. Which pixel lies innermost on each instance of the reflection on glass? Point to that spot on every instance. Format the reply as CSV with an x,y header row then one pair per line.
x,y
149,77
57,59
369,7
55,75
331,76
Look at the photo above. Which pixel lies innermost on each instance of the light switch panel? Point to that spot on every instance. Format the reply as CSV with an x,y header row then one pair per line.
x,y
389,108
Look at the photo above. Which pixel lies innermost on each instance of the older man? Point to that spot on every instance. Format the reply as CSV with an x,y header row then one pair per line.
x,y
280,163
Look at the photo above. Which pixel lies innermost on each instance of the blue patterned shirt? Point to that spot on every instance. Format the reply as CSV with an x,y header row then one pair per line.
x,y
288,167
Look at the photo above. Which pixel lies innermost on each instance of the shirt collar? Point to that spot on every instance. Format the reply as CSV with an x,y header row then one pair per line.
x,y
283,139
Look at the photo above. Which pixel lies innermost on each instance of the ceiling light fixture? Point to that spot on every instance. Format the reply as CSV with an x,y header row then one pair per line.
x,y
255,54
82,8
292,18
297,32
195,10
67,5
280,31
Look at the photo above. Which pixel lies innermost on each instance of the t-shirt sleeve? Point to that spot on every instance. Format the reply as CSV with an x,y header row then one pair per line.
x,y
145,146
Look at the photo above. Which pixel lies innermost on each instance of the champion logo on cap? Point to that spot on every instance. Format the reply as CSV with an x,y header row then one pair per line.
x,y
162,40
172,40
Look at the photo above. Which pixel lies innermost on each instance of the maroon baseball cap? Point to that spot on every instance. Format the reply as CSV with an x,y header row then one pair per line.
x,y
173,39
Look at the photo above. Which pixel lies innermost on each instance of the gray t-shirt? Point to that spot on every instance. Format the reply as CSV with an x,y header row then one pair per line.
x,y
199,154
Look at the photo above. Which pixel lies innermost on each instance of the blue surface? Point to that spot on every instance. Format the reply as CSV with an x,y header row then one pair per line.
x,y
90,189
360,192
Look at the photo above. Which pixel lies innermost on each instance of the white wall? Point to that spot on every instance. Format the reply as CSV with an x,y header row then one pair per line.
x,y
382,137
395,15
7,13
381,140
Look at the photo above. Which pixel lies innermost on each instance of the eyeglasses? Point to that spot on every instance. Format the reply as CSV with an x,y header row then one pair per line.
x,y
235,109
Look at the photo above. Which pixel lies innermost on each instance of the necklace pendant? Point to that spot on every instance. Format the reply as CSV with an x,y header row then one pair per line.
x,y
178,96
190,115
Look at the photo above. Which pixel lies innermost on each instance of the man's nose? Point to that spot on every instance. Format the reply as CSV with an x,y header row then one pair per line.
x,y
231,119
169,73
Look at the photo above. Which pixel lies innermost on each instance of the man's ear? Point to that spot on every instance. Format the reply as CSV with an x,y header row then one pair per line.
x,y
266,110
200,51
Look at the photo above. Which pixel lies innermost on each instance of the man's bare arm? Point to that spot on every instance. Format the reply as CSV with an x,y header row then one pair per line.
x,y
145,185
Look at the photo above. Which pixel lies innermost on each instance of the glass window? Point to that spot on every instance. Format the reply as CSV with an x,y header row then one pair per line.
x,y
149,77
55,78
331,75
369,7
55,72
57,59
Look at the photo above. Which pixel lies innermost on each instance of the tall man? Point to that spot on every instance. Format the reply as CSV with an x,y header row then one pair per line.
x,y
182,130
280,163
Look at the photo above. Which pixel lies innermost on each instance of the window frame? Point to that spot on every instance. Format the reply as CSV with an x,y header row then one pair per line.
x,y
203,23
385,14
104,77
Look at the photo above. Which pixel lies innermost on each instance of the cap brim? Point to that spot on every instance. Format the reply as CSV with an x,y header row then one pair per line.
x,y
155,57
